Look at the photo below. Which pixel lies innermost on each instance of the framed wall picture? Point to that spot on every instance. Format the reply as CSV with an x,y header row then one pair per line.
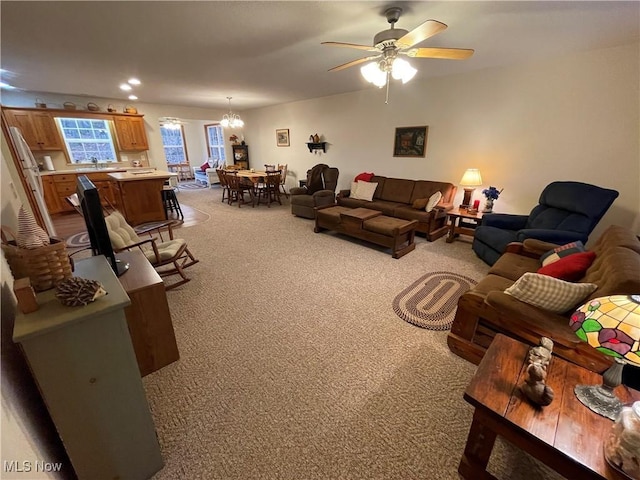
x,y
410,141
282,137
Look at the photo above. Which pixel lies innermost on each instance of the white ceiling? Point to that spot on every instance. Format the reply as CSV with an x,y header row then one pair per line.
x,y
263,53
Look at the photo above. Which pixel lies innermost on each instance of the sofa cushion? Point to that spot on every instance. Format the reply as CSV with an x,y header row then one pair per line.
x,y
569,268
204,166
559,252
397,190
433,201
363,190
513,266
407,212
380,181
550,293
420,203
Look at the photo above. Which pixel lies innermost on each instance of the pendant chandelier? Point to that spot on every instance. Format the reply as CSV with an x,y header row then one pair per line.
x,y
231,119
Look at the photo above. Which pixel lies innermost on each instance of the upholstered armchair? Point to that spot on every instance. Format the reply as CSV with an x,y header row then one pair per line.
x,y
320,190
567,212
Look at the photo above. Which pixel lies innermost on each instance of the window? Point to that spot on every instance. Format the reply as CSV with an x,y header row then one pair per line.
x,y
88,140
175,150
215,143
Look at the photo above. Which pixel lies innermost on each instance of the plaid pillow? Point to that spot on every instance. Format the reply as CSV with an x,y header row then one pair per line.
x,y
550,293
559,252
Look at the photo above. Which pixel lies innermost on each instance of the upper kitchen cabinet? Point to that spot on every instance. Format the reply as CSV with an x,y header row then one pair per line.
x,y
131,133
38,128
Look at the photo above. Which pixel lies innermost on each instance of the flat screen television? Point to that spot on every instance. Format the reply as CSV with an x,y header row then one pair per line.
x,y
89,199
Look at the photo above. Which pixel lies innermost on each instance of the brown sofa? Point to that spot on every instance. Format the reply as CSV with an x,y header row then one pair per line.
x,y
486,310
394,197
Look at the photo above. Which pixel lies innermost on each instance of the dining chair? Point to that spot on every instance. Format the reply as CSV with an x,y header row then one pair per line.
x,y
283,178
172,253
271,191
222,176
238,188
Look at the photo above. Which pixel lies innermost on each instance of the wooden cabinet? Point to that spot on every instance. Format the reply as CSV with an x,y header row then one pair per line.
x,y
65,185
131,133
241,156
148,316
84,364
38,128
50,194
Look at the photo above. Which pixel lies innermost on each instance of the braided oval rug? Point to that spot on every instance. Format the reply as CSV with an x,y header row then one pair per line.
x,y
430,301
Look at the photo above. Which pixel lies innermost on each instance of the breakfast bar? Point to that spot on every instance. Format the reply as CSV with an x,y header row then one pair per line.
x,y
139,195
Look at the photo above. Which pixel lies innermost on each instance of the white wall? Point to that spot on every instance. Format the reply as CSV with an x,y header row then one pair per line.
x,y
573,118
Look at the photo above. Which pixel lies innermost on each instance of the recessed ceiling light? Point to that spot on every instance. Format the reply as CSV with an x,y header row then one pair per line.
x,y
132,97
134,81
126,87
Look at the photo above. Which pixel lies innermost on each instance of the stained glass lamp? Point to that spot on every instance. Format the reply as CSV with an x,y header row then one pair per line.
x,y
611,325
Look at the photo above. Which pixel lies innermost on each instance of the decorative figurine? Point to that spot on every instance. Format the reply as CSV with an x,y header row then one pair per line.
x,y
542,353
534,387
78,291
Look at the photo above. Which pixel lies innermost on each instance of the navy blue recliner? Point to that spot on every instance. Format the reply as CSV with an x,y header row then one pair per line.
x,y
567,211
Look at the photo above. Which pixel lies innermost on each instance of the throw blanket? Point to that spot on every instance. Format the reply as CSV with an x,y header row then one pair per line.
x,y
315,178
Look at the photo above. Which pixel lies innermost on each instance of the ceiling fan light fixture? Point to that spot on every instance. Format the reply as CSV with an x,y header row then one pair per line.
x,y
402,70
373,74
231,120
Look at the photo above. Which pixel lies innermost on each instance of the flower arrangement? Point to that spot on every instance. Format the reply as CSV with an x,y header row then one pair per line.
x,y
492,193
234,139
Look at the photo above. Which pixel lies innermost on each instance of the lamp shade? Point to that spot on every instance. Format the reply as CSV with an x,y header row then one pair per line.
x,y
611,325
471,178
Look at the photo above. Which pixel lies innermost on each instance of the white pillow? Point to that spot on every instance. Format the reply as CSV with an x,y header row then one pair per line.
x,y
433,201
364,190
354,188
550,293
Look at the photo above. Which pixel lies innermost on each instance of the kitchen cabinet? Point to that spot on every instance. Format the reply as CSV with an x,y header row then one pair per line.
x,y
131,133
241,156
38,128
58,186
50,194
84,364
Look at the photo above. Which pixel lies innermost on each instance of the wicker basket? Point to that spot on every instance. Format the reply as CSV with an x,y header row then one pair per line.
x,y
45,266
92,107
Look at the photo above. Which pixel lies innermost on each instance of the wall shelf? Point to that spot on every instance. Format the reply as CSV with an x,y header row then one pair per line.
x,y
317,146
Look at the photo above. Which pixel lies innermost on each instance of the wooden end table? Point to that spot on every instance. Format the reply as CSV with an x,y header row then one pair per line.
x,y
564,435
461,222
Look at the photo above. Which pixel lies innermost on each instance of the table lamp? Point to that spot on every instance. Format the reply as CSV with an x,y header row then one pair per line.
x,y
470,180
611,325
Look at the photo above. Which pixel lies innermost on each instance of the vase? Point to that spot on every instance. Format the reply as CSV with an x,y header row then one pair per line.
x,y
488,206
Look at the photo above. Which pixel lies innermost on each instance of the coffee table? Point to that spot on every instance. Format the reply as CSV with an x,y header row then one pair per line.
x,y
564,435
370,225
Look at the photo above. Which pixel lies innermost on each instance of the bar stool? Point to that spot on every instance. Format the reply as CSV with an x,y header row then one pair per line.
x,y
170,201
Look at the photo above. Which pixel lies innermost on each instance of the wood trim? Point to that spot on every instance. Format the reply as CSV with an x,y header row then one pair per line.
x,y
29,194
75,113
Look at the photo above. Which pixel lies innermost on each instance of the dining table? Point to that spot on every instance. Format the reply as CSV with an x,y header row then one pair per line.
x,y
256,177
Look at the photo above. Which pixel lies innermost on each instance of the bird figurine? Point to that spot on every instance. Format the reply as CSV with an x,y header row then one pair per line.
x,y
78,291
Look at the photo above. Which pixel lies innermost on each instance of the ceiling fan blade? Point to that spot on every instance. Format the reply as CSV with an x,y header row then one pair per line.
x,y
351,45
352,63
446,53
420,33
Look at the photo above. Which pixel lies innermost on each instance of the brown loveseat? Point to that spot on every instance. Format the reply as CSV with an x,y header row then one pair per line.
x,y
394,197
486,310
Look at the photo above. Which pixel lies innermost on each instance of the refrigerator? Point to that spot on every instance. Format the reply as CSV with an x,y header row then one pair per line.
x,y
31,173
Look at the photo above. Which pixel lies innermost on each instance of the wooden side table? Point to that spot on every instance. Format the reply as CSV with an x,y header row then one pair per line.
x,y
461,222
565,435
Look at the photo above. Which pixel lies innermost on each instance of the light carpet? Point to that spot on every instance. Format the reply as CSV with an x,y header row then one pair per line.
x,y
293,364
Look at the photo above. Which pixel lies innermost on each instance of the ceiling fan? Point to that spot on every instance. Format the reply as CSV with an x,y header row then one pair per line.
x,y
393,43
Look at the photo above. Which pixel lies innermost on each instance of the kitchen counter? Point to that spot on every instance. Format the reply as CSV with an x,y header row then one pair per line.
x,y
143,174
84,171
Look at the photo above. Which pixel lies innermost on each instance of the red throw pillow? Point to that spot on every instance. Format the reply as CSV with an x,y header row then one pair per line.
x,y
569,268
204,166
364,176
